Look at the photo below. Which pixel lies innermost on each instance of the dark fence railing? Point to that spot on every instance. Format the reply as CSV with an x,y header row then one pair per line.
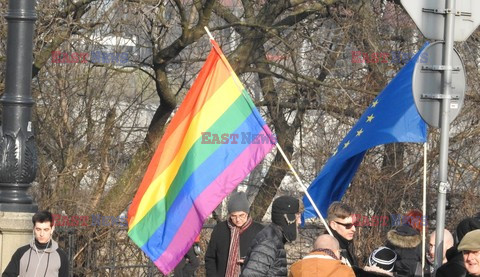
x,y
95,251
104,252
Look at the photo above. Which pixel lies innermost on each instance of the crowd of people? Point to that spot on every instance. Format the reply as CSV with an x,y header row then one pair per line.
x,y
242,247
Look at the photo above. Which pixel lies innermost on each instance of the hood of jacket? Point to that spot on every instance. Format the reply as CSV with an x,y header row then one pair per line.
x,y
404,237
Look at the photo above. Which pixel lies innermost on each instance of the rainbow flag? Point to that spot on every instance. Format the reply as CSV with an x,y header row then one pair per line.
x,y
214,140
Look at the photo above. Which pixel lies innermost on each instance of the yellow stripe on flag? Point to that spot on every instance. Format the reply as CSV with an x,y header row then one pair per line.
x,y
211,111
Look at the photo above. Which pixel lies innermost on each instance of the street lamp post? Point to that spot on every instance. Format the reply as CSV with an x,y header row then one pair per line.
x,y
18,156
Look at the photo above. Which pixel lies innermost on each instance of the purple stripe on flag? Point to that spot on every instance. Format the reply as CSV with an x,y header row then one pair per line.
x,y
207,201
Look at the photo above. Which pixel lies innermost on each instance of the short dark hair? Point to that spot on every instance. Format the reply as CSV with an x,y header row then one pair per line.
x,y
42,216
338,210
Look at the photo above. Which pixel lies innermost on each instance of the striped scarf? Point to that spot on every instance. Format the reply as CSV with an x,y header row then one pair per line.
x,y
233,266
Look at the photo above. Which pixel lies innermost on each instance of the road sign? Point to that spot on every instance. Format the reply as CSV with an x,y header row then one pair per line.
x,y
448,21
429,16
427,84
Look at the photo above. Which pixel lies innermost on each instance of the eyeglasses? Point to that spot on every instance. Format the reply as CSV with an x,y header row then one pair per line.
x,y
346,225
238,216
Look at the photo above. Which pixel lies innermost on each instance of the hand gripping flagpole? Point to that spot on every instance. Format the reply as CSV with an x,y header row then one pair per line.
x,y
293,171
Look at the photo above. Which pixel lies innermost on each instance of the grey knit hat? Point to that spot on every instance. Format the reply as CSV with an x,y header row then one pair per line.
x,y
238,203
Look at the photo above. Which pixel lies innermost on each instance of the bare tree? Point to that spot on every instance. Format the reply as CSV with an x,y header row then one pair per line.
x,y
98,124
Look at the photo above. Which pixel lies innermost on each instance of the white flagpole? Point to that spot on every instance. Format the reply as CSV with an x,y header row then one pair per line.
x,y
304,188
208,33
424,206
296,175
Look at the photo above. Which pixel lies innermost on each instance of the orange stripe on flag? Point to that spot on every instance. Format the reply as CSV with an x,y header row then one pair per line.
x,y
179,125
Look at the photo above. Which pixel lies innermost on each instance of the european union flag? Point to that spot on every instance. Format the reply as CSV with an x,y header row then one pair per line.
x,y
392,117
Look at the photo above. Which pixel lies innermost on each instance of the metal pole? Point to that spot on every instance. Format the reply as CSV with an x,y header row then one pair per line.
x,y
444,186
18,156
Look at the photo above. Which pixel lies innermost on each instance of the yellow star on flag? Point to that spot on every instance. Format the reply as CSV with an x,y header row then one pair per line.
x,y
374,104
370,118
359,132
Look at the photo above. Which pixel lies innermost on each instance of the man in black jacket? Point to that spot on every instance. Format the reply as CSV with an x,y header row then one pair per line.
x,y
407,243
340,221
230,239
42,257
267,256
189,264
455,265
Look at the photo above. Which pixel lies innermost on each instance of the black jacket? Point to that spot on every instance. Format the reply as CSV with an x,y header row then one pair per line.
x,y
216,256
360,272
407,243
347,247
267,256
454,265
187,266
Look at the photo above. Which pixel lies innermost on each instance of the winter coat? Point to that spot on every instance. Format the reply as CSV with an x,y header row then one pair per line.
x,y
33,260
407,243
348,247
360,272
454,266
320,264
187,266
267,256
216,256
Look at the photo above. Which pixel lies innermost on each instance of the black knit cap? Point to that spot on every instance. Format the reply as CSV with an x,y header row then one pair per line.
x,y
383,257
467,225
286,205
284,209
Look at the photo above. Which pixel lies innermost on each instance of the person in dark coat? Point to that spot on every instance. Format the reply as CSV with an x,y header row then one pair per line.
x,y
230,239
187,266
455,265
340,221
407,243
381,262
267,256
